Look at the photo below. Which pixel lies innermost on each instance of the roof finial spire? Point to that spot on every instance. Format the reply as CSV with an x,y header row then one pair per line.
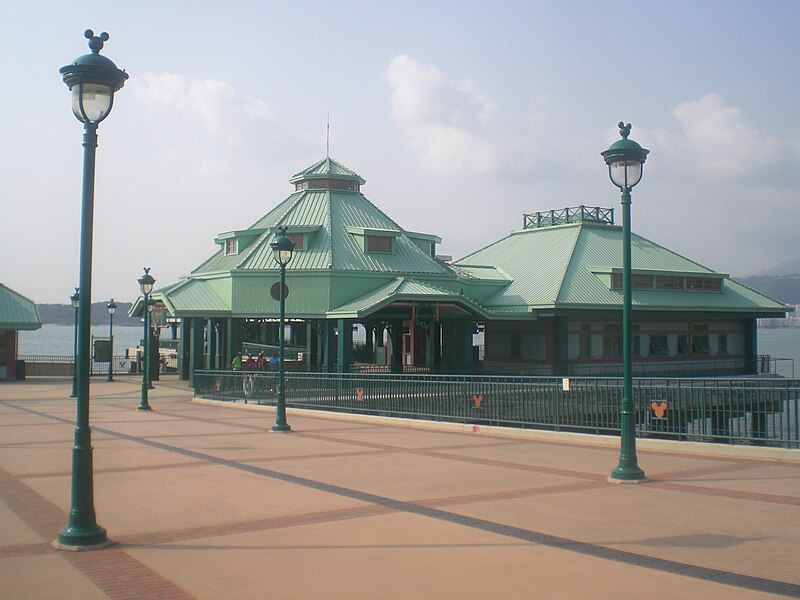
x,y
328,138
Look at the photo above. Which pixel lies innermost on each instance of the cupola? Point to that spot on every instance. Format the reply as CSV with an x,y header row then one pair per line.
x,y
327,174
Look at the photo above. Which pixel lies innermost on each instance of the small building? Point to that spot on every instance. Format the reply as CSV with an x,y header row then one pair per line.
x,y
559,302
17,313
547,298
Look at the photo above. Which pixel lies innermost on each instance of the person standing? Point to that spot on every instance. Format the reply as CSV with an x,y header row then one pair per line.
x,y
236,365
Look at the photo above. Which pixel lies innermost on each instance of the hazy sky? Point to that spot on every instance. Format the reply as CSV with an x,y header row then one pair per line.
x,y
461,116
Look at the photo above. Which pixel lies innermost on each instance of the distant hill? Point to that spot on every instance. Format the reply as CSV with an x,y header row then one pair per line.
x,y
789,267
64,314
785,288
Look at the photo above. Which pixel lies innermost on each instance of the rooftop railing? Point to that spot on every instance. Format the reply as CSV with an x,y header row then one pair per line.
x,y
577,214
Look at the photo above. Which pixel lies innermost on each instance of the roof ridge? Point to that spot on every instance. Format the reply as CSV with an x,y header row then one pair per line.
x,y
568,265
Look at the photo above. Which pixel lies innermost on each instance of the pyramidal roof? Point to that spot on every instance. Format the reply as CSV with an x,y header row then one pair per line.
x,y
327,168
333,227
571,265
16,311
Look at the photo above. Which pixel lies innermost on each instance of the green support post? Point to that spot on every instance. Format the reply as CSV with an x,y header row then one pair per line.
x,y
196,356
344,345
396,338
210,343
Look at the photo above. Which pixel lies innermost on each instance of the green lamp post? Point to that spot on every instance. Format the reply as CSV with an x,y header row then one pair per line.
x,y
93,80
146,282
75,299
111,308
282,248
625,159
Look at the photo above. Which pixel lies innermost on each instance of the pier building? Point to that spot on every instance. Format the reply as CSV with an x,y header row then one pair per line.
x,y
17,313
545,299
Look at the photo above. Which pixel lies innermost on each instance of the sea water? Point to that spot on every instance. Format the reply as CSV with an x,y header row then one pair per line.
x,y
58,340
782,343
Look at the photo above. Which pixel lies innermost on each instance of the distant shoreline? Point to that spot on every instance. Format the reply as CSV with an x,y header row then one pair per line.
x,y
64,314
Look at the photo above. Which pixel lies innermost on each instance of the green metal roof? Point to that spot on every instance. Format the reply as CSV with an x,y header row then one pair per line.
x,y
403,289
333,272
563,267
197,296
536,261
327,168
330,220
17,312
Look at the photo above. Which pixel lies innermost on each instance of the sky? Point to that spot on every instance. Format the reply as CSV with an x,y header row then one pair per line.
x,y
461,116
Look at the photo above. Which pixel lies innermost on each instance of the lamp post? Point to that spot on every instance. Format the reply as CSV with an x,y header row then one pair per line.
x,y
625,159
151,335
282,248
146,282
75,299
93,79
112,308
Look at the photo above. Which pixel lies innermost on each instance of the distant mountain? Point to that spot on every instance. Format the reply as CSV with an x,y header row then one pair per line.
x,y
64,314
785,288
790,267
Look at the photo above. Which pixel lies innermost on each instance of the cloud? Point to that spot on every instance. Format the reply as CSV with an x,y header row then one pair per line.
x,y
212,103
447,122
719,141
453,127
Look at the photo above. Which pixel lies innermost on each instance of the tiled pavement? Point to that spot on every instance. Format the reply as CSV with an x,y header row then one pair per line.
x,y
202,501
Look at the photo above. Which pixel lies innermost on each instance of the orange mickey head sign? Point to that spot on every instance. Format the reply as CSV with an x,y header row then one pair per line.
x,y
659,409
477,399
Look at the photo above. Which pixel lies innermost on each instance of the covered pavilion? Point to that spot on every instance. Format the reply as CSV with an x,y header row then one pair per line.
x,y
17,313
547,298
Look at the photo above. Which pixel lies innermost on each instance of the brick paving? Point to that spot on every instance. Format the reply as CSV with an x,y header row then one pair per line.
x,y
202,501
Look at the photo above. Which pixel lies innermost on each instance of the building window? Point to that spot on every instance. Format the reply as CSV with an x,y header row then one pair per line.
x,y
704,284
638,282
298,239
379,243
659,345
612,341
683,344
515,346
722,345
668,282
700,343
231,246
327,184
585,342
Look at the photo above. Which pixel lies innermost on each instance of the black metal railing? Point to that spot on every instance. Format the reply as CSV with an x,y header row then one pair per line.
x,y
756,411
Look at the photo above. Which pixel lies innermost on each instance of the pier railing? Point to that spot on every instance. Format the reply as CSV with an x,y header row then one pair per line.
x,y
756,411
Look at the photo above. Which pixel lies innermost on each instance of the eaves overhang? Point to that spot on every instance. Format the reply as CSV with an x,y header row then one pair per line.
x,y
404,290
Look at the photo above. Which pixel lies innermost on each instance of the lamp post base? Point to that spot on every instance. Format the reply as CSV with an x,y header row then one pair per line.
x,y
627,475
80,540
281,428
144,407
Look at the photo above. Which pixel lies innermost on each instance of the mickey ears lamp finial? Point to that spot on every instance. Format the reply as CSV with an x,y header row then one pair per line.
x,y
624,130
95,41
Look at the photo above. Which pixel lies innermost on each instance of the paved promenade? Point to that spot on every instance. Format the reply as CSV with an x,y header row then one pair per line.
x,y
202,501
